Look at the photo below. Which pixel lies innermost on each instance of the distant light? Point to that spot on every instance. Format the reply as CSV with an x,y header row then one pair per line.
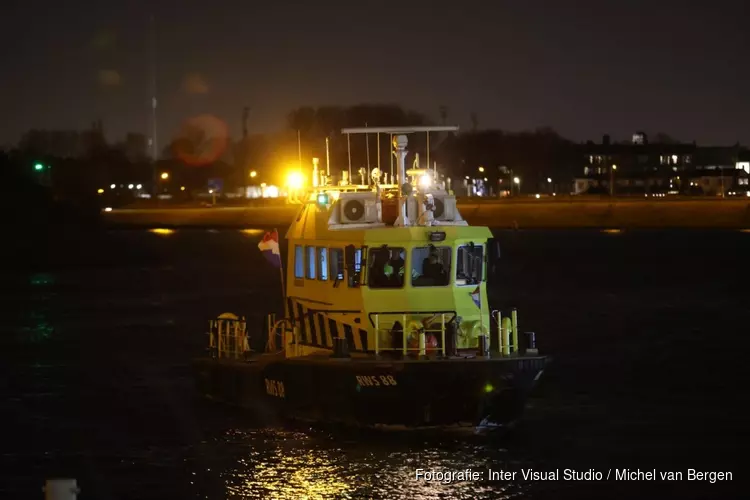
x,y
210,191
481,169
108,209
488,388
322,199
554,194
263,184
38,167
100,190
138,186
516,180
182,188
112,186
549,179
165,175
130,186
271,192
295,180
614,167
485,179
537,196
253,173
467,177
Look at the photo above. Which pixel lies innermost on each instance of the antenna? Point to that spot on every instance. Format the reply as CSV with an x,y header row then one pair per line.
x,y
328,160
367,147
399,146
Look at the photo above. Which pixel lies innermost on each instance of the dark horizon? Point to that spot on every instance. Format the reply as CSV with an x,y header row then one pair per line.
x,y
593,70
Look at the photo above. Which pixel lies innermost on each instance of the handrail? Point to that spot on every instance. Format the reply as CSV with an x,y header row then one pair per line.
x,y
422,331
412,313
228,337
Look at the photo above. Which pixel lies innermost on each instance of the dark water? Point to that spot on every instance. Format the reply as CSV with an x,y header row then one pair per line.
x,y
647,329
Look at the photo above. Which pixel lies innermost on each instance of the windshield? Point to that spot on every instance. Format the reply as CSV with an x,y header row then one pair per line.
x,y
431,266
469,264
385,268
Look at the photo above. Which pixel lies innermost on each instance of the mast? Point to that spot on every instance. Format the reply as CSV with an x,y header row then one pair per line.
x,y
299,150
154,143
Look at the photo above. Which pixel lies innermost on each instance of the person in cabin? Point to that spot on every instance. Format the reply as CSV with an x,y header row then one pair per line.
x,y
433,269
379,270
396,267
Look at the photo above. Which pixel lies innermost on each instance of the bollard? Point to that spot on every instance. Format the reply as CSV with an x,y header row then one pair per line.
x,y
506,329
340,347
422,345
514,320
61,489
451,347
531,349
482,346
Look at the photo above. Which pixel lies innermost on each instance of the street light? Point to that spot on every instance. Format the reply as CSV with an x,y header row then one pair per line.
x,y
253,173
549,179
164,176
612,180
481,169
517,182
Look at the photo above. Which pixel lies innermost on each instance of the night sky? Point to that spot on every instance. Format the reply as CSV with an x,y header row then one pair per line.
x,y
584,68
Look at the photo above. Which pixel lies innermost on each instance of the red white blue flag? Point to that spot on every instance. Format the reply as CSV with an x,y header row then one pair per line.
x,y
476,296
269,246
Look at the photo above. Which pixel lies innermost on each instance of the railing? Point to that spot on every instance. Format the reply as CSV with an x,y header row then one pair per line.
x,y
228,337
507,332
507,336
410,327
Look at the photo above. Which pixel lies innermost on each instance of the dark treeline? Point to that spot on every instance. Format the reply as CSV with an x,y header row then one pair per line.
x,y
81,163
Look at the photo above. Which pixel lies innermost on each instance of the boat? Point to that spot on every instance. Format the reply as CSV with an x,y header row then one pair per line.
x,y
386,320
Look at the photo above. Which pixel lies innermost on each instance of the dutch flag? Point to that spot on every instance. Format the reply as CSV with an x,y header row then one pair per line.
x,y
476,296
269,246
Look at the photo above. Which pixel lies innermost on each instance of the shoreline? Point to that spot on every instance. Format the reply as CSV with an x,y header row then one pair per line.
x,y
563,214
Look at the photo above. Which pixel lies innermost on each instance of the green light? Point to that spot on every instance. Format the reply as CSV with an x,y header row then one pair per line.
x,y
323,199
38,167
488,388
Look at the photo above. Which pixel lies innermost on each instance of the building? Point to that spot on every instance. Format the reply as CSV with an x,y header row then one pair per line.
x,y
639,167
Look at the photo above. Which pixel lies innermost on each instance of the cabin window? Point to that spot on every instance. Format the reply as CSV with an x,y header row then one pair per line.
x,y
322,263
431,266
469,264
386,267
337,264
299,261
312,263
355,278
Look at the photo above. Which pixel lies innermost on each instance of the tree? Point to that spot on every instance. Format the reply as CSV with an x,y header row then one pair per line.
x,y
662,138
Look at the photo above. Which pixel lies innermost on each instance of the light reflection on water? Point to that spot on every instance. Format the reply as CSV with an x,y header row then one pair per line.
x,y
293,465
252,232
161,231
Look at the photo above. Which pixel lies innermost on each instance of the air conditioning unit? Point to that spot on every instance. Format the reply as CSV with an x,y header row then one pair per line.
x,y
359,208
445,208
